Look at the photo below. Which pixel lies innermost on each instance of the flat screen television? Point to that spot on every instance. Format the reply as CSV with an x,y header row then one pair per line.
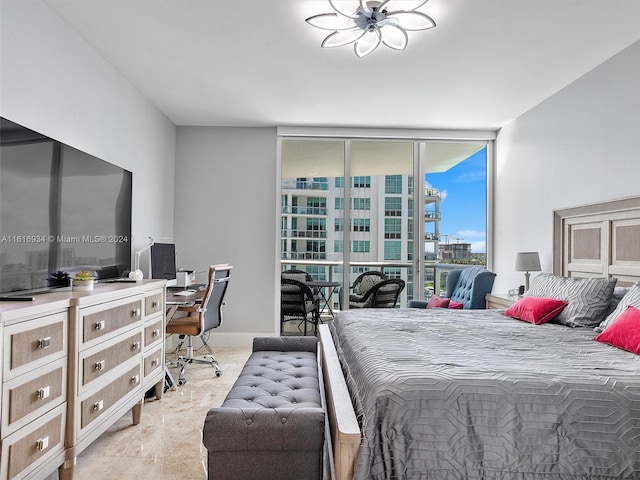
x,y
61,211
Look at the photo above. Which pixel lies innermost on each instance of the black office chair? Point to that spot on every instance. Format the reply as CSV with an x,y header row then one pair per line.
x,y
383,294
297,302
200,319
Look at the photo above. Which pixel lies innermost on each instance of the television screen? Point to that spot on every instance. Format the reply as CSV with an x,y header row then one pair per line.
x,y
61,211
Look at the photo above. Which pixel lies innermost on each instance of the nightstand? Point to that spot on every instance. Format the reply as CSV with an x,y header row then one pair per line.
x,y
500,300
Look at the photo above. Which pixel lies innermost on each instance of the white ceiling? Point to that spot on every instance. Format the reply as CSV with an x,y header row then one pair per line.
x,y
258,63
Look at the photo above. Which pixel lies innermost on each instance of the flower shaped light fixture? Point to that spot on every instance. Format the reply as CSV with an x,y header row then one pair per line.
x,y
370,23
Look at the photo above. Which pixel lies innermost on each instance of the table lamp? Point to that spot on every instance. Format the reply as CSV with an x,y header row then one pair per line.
x,y
527,262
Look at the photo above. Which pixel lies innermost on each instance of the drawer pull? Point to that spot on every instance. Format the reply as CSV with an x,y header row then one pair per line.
x,y
98,406
155,304
155,362
42,444
135,346
135,312
135,379
44,342
100,365
155,333
100,325
43,392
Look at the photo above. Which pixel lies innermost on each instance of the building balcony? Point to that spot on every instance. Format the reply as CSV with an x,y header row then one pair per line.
x,y
431,193
303,256
303,233
291,184
432,237
304,210
430,215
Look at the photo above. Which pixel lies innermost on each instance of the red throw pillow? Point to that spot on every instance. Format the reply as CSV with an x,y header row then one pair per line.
x,y
536,310
437,302
456,305
624,332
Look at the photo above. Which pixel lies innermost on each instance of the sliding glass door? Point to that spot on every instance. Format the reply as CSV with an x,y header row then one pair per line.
x,y
350,205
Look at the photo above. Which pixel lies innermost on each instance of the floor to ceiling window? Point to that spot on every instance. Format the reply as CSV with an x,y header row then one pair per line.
x,y
350,205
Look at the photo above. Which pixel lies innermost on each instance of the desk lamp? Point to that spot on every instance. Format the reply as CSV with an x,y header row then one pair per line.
x,y
136,273
527,262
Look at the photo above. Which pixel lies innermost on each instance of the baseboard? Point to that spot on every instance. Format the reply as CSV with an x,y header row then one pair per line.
x,y
221,340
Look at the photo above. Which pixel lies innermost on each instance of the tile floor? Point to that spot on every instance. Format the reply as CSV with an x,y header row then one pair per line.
x,y
167,444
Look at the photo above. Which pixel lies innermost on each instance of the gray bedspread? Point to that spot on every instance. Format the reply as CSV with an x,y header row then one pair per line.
x,y
444,394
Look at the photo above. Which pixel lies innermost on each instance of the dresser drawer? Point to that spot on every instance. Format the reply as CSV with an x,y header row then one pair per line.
x,y
97,364
28,397
33,343
101,401
152,361
100,323
153,304
153,332
29,447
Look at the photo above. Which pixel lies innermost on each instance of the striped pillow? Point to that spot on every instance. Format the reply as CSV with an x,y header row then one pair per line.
x,y
587,298
631,298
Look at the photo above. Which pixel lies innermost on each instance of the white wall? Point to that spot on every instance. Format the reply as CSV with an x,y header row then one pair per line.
x,y
580,146
226,184
53,82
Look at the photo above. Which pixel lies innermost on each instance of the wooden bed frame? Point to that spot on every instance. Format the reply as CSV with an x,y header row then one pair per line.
x,y
599,240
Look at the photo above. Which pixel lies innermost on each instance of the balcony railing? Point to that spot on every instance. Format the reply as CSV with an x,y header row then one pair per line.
x,y
290,184
304,233
286,256
432,192
431,215
297,210
433,272
432,237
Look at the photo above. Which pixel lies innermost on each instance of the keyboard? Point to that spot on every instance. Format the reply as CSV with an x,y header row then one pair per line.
x,y
184,293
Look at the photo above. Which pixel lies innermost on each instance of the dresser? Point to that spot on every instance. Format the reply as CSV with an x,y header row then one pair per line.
x,y
73,363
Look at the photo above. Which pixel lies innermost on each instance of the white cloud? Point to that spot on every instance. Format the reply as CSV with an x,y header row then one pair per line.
x,y
476,176
471,233
479,247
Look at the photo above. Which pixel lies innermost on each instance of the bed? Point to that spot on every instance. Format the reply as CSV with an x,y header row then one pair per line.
x,y
439,394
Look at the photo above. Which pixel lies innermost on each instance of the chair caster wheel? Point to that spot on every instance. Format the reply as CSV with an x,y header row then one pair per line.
x,y
219,373
181,382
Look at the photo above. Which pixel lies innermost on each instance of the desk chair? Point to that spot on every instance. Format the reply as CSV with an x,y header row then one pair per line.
x,y
200,318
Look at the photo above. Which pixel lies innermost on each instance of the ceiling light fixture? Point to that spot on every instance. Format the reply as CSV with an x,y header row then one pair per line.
x,y
371,23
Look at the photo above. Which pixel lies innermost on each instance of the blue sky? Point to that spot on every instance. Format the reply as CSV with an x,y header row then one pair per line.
x,y
463,205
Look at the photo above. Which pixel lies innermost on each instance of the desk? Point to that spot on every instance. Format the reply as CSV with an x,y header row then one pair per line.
x,y
175,301
325,297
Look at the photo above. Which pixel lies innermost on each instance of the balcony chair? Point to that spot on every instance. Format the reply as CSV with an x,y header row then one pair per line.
x,y
297,302
383,294
200,319
362,284
299,275
468,286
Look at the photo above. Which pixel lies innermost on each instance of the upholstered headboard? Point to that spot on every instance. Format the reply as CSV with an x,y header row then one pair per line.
x,y
598,240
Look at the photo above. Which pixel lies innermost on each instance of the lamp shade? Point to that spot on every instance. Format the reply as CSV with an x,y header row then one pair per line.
x,y
527,262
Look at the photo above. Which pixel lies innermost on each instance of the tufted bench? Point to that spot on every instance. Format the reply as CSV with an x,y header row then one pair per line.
x,y
271,424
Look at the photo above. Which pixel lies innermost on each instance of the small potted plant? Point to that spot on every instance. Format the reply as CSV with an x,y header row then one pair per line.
x,y
83,280
59,279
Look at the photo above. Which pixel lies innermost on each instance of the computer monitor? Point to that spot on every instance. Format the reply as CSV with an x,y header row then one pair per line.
x,y
163,262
